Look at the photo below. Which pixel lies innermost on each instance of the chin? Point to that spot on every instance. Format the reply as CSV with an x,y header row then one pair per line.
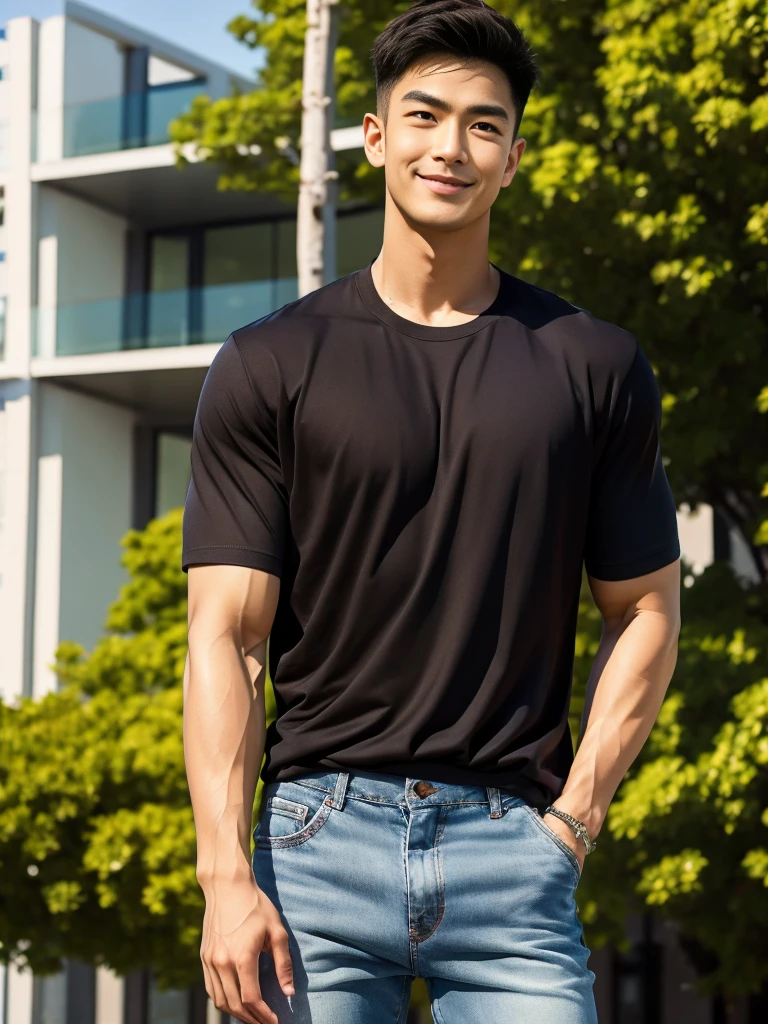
x,y
438,220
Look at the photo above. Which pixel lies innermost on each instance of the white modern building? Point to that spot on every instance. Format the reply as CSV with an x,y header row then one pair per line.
x,y
120,275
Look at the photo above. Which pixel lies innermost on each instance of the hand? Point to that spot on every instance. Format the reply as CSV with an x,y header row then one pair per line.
x,y
240,921
568,836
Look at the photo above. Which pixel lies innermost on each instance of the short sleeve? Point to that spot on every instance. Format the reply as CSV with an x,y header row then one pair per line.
x,y
632,526
236,509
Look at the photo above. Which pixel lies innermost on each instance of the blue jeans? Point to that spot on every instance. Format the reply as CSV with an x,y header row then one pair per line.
x,y
379,879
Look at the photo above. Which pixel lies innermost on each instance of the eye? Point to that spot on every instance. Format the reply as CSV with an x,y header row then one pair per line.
x,y
487,124
417,113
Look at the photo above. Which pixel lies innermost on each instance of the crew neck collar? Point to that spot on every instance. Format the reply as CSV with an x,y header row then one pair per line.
x,y
379,308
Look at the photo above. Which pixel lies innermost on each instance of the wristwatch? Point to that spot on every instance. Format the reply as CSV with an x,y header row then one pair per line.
x,y
576,826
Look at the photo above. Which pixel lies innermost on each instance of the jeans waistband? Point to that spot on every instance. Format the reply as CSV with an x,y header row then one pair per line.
x,y
378,787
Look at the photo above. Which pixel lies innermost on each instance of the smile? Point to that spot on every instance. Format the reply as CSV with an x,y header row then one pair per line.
x,y
444,188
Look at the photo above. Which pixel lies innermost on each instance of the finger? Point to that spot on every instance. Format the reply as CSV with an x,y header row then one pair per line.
x,y
249,983
234,1001
217,989
208,981
212,981
250,993
279,947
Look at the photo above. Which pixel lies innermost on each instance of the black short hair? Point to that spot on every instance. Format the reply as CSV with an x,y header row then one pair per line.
x,y
467,29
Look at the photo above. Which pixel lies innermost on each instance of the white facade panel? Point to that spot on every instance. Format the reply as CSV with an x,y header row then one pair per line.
x,y
47,573
85,467
110,995
697,536
20,195
15,595
81,259
50,90
90,249
19,1004
162,72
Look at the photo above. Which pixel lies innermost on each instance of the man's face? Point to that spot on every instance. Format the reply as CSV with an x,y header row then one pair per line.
x,y
447,144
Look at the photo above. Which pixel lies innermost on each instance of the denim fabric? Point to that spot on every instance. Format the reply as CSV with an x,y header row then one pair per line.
x,y
379,878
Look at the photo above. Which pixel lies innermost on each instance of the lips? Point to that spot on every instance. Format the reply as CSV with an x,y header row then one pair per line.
x,y
443,185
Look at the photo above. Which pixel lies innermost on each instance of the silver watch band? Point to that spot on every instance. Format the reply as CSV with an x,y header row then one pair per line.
x,y
575,825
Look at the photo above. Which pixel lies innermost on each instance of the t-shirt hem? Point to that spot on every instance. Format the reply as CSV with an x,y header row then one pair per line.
x,y
510,782
638,567
232,554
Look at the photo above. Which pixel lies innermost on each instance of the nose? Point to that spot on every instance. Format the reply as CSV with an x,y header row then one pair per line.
x,y
448,144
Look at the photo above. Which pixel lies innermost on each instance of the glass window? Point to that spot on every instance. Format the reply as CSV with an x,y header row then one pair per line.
x,y
169,1007
239,253
169,263
358,240
238,274
168,309
172,473
287,283
50,998
286,248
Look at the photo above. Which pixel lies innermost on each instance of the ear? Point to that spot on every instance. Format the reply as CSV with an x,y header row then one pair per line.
x,y
513,161
373,139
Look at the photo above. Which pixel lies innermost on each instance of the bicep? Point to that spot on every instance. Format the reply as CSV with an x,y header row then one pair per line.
x,y
231,600
658,591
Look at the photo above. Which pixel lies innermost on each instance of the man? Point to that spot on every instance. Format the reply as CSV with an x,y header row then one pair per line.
x,y
397,479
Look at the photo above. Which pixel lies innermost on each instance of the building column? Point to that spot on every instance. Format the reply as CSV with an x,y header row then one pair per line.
x,y
20,196
16,594
18,1009
110,997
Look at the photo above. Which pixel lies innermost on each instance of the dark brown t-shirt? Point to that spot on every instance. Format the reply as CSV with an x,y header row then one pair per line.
x,y
428,497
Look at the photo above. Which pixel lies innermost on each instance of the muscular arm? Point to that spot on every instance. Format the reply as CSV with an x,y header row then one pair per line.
x,y
231,610
625,690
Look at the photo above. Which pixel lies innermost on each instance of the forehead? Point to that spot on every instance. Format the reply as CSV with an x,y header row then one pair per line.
x,y
453,77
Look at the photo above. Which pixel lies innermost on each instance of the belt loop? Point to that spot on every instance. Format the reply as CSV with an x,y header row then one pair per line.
x,y
339,792
494,799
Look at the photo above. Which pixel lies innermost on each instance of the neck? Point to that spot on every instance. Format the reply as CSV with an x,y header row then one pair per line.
x,y
434,277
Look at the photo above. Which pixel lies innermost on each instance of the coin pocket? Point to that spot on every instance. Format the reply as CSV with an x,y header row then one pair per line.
x,y
291,816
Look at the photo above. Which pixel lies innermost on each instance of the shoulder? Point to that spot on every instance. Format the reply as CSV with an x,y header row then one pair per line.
x,y
606,349
293,323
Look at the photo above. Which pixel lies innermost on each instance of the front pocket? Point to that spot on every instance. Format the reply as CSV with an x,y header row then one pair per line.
x,y
292,814
549,833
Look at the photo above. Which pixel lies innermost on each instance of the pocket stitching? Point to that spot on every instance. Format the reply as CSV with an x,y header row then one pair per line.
x,y
314,825
551,834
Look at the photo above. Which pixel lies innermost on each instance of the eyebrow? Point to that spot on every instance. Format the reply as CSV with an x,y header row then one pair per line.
x,y
488,109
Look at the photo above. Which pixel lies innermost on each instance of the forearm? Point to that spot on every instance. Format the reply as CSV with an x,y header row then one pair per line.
x,y
625,691
224,732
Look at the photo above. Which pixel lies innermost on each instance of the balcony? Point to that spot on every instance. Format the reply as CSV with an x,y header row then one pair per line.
x,y
130,121
160,319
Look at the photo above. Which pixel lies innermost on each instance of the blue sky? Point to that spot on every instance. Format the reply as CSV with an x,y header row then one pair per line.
x,y
198,25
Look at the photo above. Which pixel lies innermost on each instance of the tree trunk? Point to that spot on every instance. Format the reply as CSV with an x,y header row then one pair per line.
x,y
316,217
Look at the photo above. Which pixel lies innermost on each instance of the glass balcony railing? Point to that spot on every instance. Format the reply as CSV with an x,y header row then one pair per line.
x,y
130,121
156,319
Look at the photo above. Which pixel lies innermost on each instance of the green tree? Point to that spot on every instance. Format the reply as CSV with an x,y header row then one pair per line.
x,y
97,842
